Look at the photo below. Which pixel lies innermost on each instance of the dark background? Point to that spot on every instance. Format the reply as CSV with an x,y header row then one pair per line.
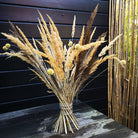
x,y
19,87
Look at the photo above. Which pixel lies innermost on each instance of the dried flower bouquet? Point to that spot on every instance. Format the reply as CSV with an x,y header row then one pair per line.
x,y
62,68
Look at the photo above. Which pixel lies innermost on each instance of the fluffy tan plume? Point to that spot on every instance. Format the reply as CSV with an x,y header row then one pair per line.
x,y
103,52
89,25
82,35
73,27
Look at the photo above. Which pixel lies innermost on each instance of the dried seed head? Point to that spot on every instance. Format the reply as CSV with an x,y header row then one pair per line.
x,y
103,38
8,45
70,43
77,46
123,62
4,48
50,71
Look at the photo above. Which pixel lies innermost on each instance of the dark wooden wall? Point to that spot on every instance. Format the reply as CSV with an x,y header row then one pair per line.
x,y
17,88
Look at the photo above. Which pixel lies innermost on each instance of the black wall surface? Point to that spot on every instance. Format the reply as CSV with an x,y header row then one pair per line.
x,y
19,87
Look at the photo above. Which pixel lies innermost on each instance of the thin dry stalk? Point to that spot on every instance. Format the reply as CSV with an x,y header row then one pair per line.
x,y
111,11
132,71
136,73
123,84
124,102
127,63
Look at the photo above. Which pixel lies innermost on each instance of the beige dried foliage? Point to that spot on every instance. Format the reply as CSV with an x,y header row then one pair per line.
x,y
94,49
41,78
92,33
82,35
18,54
73,27
70,66
24,37
16,41
103,52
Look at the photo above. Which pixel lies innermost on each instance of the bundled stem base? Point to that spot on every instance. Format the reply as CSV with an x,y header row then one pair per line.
x,y
66,121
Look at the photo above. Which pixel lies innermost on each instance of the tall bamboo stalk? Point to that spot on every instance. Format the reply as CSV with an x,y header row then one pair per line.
x,y
110,61
125,72
136,73
132,70
122,83
114,103
127,55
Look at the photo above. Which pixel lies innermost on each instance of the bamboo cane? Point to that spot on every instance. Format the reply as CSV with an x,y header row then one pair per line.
x,y
131,67
117,117
137,73
134,78
109,67
124,96
114,67
125,71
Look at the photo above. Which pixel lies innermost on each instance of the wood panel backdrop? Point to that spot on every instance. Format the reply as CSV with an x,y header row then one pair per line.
x,y
19,87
